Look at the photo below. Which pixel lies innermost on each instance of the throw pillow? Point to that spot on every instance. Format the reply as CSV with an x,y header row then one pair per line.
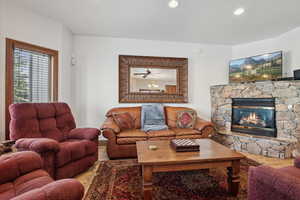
x,y
124,120
186,119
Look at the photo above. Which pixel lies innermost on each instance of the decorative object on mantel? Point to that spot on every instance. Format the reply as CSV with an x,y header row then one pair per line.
x,y
145,79
297,74
256,68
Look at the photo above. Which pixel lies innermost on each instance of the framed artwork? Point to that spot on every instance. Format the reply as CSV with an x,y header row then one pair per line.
x,y
256,68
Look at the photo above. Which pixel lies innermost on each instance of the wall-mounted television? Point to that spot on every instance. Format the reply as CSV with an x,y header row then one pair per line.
x,y
256,68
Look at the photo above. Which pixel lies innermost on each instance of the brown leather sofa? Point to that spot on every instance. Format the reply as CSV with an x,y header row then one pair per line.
x,y
121,144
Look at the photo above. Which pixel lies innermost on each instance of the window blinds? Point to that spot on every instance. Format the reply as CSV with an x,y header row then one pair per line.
x,y
31,76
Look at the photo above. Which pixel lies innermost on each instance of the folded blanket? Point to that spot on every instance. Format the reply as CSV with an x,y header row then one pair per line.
x,y
153,117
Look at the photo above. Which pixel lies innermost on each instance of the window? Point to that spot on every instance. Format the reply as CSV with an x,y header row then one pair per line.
x,y
31,74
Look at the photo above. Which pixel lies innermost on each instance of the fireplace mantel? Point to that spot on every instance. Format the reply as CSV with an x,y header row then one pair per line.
x,y
287,106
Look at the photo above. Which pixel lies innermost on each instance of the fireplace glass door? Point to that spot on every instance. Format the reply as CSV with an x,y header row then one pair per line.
x,y
254,116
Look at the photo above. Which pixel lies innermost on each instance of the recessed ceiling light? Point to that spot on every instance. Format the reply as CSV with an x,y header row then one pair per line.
x,y
239,11
173,4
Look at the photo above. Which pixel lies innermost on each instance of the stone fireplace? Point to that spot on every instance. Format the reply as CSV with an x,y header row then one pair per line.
x,y
255,116
260,118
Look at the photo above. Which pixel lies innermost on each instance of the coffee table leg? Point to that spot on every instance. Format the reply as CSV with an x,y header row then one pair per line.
x,y
147,182
234,178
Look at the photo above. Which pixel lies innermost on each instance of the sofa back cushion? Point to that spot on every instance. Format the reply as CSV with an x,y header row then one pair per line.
x,y
17,164
171,115
135,113
40,120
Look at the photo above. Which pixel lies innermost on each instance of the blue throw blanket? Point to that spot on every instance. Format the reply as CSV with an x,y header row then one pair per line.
x,y
153,117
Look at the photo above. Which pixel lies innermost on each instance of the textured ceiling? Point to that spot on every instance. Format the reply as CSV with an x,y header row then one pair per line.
x,y
203,21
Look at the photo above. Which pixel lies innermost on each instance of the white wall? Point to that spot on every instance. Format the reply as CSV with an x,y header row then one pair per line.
x,y
96,72
23,25
288,42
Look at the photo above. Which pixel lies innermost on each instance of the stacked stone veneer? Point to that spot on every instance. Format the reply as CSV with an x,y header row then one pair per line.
x,y
287,100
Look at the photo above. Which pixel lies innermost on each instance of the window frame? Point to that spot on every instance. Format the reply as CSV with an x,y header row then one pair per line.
x,y
10,46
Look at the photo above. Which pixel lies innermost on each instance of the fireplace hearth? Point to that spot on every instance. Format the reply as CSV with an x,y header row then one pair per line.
x,y
254,116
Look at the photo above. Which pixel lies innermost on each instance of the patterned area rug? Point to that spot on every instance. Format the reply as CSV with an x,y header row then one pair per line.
x,y
122,180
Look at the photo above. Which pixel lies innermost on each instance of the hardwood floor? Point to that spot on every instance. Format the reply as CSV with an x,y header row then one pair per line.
x,y
273,162
87,177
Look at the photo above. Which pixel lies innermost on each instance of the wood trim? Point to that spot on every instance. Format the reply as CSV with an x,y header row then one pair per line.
x,y
126,62
8,84
55,78
190,166
10,45
32,47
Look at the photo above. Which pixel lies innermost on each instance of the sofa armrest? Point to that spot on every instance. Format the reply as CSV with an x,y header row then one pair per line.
x,y
39,145
16,164
66,189
84,133
110,124
264,180
109,134
205,127
297,162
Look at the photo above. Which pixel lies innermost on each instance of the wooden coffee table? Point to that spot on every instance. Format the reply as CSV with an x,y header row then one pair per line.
x,y
165,159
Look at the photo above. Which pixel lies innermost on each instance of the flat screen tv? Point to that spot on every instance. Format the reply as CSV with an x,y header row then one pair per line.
x,y
256,68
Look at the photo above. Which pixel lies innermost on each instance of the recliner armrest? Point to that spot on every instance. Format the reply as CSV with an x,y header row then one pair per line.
x,y
16,164
66,189
39,145
279,182
84,133
297,162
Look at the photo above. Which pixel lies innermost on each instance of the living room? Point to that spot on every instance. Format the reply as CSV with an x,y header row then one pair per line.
x,y
215,55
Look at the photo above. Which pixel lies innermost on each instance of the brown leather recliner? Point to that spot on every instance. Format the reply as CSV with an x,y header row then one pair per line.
x,y
122,143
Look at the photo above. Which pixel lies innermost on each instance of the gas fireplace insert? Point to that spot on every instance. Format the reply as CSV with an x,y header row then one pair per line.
x,y
254,116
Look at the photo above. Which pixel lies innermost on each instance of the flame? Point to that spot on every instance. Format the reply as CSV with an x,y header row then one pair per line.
x,y
252,118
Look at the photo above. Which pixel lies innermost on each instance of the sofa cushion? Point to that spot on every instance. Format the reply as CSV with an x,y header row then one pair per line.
x,y
72,150
130,140
185,131
161,133
189,136
124,120
135,112
186,119
171,115
161,138
133,133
